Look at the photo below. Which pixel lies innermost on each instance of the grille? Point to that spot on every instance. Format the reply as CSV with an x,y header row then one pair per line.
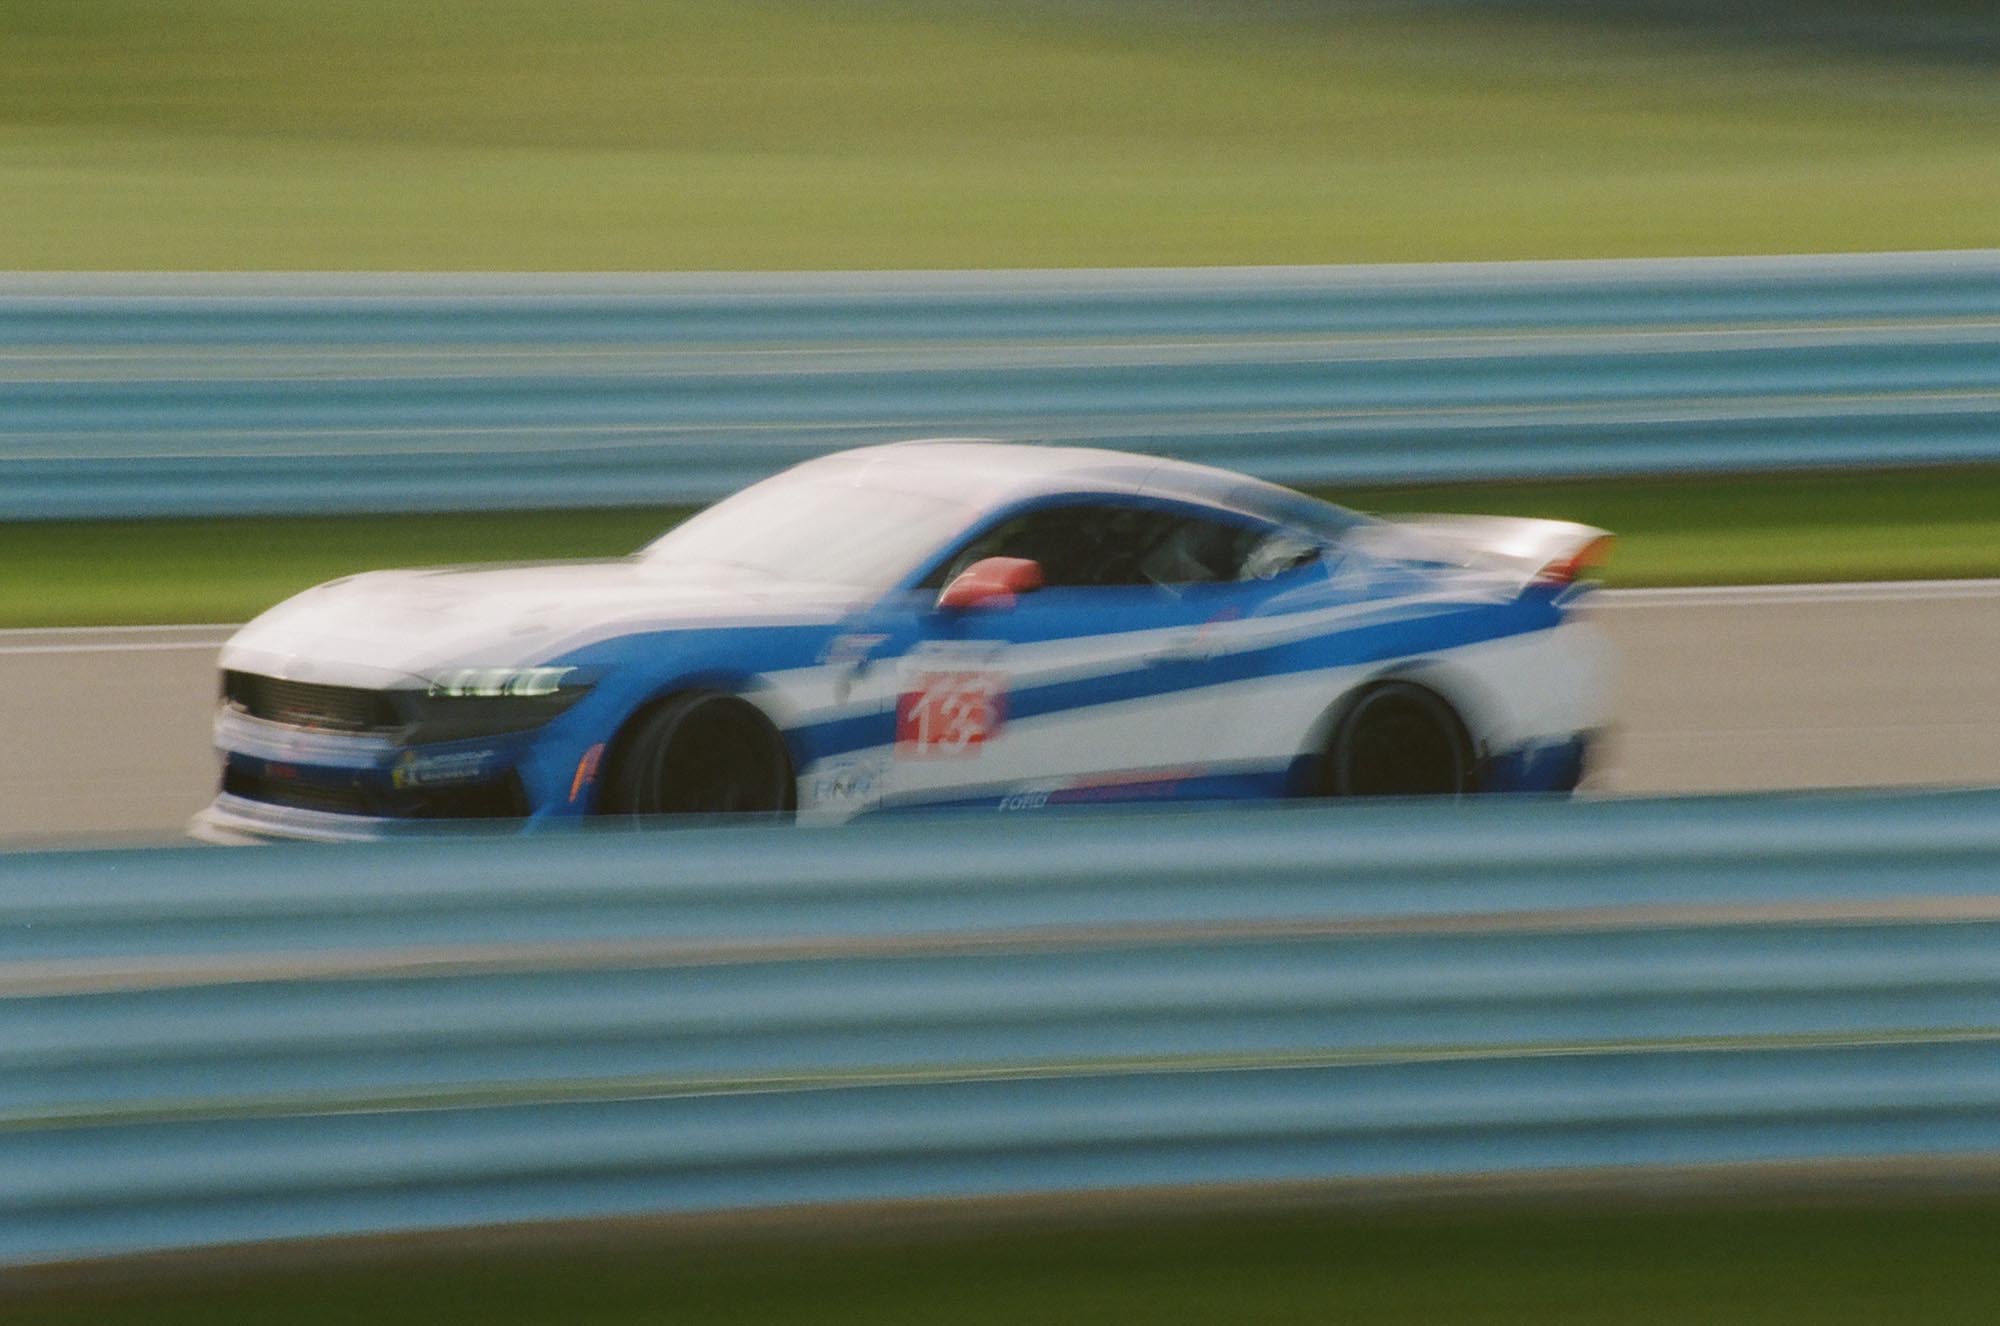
x,y
500,798
288,792
306,704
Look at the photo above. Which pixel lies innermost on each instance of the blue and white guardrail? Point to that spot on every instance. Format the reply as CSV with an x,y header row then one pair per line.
x,y
145,395
200,1047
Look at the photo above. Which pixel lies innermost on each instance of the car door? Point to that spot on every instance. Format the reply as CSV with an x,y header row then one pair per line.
x,y
1088,689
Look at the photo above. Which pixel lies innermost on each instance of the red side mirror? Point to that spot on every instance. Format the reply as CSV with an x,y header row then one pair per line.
x,y
991,582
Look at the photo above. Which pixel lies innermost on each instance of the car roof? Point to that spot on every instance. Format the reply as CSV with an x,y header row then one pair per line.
x,y
989,474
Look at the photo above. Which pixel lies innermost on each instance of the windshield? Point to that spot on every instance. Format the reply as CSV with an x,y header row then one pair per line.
x,y
820,531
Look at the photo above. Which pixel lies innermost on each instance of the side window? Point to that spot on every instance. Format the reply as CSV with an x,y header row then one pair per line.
x,y
1098,544
1076,545
1194,551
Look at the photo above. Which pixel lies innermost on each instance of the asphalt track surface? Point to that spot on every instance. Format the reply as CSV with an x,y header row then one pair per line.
x,y
106,731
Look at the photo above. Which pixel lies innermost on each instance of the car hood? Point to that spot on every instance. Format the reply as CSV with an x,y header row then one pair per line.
x,y
386,628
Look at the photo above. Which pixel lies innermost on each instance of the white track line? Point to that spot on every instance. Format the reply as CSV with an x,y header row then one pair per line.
x,y
212,635
116,647
158,629
113,639
1859,591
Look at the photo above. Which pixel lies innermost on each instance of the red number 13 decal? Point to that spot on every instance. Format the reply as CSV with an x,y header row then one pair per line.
x,y
950,713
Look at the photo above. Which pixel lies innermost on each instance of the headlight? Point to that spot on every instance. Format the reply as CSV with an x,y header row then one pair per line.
x,y
482,702
491,683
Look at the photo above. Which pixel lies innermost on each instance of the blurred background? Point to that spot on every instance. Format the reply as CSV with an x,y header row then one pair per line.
x,y
702,136
698,134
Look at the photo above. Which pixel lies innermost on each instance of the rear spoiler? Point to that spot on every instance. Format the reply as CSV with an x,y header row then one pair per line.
x,y
1543,552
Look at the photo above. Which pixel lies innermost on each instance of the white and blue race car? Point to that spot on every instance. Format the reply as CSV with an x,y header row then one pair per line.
x,y
927,624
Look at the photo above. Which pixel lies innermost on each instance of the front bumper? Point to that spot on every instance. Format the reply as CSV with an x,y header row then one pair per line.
x,y
281,782
237,821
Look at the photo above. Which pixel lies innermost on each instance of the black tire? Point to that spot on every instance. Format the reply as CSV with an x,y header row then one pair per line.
x,y
1397,739
700,754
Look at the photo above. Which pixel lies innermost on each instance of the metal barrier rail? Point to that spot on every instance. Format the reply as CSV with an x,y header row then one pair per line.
x,y
156,395
200,1047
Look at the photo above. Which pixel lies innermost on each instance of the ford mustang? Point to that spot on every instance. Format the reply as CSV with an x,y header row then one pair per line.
x,y
927,624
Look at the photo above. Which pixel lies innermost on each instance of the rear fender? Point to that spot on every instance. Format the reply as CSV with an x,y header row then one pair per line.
x,y
1460,688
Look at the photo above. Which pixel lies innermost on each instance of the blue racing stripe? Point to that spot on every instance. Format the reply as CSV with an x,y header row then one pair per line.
x,y
1450,627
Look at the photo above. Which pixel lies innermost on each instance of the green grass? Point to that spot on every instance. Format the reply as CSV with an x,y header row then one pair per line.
x,y
107,572
790,134
1842,526
1827,1265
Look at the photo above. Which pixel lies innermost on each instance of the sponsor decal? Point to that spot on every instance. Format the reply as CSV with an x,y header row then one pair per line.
x,y
1137,789
1125,785
1124,779
1025,801
845,782
414,770
950,713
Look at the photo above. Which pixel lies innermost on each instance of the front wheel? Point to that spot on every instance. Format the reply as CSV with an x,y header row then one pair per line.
x,y
1397,739
700,754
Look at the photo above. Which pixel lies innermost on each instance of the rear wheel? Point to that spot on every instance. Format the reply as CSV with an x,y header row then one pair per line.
x,y
700,754
1397,739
